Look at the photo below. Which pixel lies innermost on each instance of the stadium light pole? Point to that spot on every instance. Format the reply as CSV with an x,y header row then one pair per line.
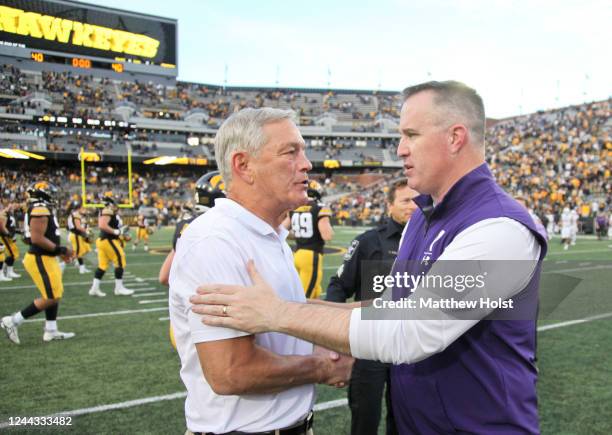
x,y
225,77
587,78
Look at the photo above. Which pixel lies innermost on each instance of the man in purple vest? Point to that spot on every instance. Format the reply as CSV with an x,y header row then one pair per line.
x,y
451,373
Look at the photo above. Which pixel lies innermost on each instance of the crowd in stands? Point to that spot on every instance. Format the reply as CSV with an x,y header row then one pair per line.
x,y
87,96
13,81
554,159
365,202
167,188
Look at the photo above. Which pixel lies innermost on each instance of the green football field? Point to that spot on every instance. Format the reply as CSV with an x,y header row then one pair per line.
x,y
120,375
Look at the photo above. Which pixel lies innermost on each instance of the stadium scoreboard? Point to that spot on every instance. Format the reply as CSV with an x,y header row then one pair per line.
x,y
76,62
79,35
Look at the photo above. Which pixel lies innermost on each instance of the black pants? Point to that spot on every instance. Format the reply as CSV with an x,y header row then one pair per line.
x,y
365,396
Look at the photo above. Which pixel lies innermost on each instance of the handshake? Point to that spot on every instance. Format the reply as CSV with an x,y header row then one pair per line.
x,y
335,369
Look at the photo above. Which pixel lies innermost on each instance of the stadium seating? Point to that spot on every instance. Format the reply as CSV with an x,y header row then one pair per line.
x,y
552,158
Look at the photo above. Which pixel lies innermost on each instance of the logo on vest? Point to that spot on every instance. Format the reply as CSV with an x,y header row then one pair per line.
x,y
429,252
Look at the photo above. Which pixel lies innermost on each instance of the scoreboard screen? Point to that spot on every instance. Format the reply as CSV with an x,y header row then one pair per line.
x,y
79,30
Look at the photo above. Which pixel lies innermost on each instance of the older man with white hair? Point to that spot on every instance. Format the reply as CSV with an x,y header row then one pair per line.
x,y
238,382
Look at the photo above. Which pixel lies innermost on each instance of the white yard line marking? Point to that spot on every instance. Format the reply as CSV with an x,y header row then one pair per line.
x,y
153,301
141,295
573,322
142,289
161,319
330,405
108,313
72,284
580,269
570,251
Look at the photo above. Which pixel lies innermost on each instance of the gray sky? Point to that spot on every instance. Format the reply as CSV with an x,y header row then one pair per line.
x,y
521,56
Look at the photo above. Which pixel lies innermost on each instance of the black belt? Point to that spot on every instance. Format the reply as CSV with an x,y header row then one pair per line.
x,y
298,429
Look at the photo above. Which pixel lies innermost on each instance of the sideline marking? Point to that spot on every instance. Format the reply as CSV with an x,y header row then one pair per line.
x,y
140,295
153,301
72,284
109,313
573,322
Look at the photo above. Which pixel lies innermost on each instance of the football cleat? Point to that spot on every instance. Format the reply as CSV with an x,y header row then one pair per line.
x,y
122,291
10,328
57,335
13,274
3,277
96,292
83,269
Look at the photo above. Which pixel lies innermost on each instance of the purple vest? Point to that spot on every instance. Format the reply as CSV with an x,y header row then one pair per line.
x,y
484,382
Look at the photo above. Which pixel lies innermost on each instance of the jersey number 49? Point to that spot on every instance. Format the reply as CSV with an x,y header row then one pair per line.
x,y
301,224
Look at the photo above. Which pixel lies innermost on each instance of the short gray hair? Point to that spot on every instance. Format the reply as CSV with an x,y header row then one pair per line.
x,y
243,131
456,98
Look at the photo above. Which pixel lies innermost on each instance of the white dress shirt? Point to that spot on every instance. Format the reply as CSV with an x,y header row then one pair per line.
x,y
215,248
409,341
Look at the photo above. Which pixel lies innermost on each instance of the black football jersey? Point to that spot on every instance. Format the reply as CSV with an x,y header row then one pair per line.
x,y
52,232
305,225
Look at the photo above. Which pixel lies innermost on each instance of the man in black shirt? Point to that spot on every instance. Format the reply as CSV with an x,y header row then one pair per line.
x,y
371,253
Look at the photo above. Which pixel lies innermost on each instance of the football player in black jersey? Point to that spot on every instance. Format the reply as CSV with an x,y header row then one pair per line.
x,y
8,237
311,227
78,236
3,277
42,264
110,248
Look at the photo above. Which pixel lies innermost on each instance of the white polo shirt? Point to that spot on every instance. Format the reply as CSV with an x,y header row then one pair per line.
x,y
215,248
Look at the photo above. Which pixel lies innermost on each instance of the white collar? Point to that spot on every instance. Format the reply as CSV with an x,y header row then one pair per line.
x,y
249,218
